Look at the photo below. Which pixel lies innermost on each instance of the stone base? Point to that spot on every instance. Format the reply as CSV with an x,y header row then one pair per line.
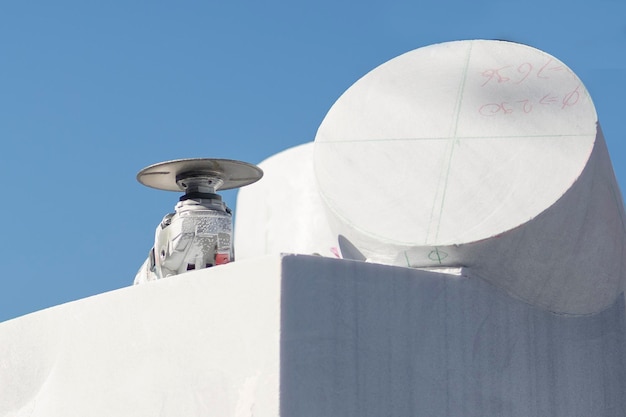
x,y
310,336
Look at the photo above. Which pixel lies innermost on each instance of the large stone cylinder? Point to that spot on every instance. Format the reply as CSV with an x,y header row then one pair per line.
x,y
480,154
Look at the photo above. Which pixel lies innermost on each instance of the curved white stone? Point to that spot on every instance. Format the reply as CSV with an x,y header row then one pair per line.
x,y
203,343
484,154
422,151
283,212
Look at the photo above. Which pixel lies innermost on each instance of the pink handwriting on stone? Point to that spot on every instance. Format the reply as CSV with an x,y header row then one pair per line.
x,y
527,105
520,73
523,73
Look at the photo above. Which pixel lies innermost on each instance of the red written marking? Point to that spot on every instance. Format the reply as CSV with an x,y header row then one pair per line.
x,y
519,74
526,105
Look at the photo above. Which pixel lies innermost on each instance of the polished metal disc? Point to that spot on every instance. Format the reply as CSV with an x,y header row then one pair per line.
x,y
168,175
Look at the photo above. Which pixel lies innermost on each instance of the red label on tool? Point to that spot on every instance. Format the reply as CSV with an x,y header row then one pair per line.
x,y
221,258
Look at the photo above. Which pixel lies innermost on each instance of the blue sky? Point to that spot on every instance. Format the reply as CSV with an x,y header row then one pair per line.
x,y
91,92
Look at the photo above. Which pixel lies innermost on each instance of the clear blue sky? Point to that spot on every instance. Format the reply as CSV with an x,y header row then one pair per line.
x,y
91,92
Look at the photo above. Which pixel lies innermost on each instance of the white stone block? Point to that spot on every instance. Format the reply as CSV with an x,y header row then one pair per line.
x,y
311,336
205,343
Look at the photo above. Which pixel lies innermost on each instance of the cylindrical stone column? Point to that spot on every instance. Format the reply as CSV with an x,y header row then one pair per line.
x,y
481,154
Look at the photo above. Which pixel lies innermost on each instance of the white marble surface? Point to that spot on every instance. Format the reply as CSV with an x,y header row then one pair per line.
x,y
485,155
283,213
310,336
204,343
454,143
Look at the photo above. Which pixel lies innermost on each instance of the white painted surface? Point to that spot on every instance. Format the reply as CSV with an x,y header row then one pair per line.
x,y
309,336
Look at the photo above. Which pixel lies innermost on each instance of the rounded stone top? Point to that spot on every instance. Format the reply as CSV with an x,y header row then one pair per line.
x,y
454,143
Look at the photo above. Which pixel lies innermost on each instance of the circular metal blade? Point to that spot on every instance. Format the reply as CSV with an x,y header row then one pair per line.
x,y
164,175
